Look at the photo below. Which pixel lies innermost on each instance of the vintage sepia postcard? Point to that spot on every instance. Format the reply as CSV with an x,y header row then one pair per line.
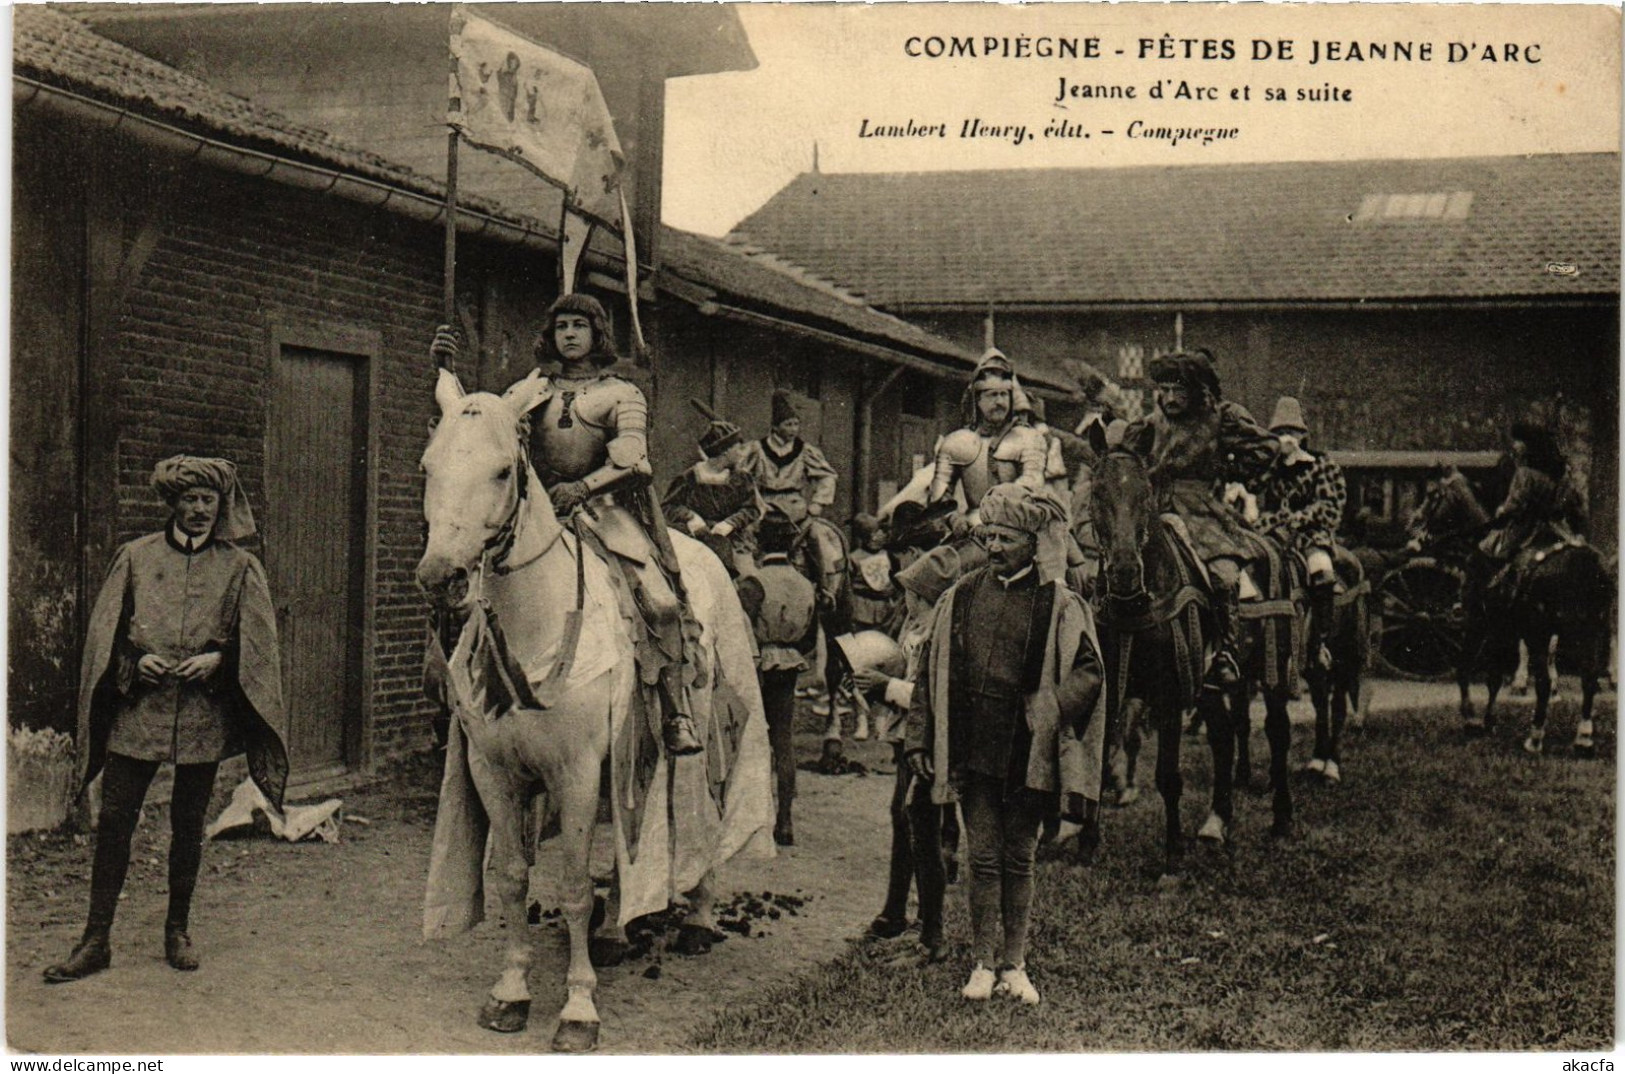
x,y
800,529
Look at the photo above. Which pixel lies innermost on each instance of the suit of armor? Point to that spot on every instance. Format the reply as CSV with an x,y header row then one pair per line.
x,y
976,459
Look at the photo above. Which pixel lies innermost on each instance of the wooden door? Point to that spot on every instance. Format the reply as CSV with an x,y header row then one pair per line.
x,y
314,549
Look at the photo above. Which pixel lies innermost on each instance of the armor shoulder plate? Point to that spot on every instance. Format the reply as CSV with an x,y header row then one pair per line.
x,y
1021,439
961,447
599,403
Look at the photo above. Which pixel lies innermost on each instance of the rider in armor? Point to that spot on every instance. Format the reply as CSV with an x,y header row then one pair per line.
x,y
1194,442
994,447
589,445
1301,500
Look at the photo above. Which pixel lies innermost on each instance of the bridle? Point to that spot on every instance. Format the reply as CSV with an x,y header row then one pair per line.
x,y
499,546
1137,599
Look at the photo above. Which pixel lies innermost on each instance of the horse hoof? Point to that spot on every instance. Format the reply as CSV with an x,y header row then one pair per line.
x,y
1213,830
1317,766
1087,852
505,1016
576,1037
1534,744
1585,747
693,940
607,951
1473,726
1128,796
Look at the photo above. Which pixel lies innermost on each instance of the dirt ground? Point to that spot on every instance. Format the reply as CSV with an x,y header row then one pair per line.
x,y
316,949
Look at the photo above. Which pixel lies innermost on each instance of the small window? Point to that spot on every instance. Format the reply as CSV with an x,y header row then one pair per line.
x,y
1394,208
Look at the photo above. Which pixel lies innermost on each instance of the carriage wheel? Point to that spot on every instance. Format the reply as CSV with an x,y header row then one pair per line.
x,y
1419,632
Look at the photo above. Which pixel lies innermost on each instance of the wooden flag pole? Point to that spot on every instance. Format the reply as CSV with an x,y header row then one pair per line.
x,y
450,306
629,241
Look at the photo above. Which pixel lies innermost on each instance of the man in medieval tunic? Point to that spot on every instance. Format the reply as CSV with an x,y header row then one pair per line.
x,y
782,461
1195,442
715,500
1300,501
1005,717
589,444
181,667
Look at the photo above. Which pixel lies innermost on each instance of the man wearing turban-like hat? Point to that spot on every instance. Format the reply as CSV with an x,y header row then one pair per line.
x,y
1005,716
181,666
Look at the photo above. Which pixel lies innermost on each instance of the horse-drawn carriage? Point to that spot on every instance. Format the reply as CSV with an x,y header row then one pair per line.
x,y
1416,620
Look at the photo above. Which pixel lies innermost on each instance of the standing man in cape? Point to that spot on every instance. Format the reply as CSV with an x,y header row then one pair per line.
x,y
181,665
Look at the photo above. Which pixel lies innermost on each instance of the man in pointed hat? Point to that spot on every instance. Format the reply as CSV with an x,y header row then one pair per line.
x,y
1195,442
1301,500
715,499
782,462
180,667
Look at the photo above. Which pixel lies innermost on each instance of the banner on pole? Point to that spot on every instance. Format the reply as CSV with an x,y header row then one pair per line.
x,y
541,109
575,235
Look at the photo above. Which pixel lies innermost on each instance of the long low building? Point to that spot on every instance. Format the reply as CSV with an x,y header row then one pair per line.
x,y
194,272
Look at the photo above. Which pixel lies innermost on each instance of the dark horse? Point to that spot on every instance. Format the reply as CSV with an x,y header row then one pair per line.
x,y
1563,591
1154,625
1334,684
1270,631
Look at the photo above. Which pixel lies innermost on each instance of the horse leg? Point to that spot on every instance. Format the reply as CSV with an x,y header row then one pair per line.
x,y
1536,742
1321,688
699,928
1519,686
608,945
578,813
1221,742
1171,785
1551,666
1126,763
1344,696
1239,702
507,1009
1278,729
1584,744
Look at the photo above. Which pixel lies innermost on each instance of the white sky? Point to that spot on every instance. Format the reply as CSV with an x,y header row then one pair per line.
x,y
735,139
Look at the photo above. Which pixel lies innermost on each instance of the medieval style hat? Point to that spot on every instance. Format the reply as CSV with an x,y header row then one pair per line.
x,y
776,532
784,407
1019,508
917,525
603,340
172,477
1542,452
1288,416
930,576
1194,369
721,435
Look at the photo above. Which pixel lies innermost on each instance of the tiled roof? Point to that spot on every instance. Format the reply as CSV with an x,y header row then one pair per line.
x,y
1284,232
764,279
60,51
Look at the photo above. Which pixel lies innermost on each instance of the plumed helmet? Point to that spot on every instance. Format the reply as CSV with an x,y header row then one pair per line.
x,y
176,474
603,339
1542,452
1288,416
784,407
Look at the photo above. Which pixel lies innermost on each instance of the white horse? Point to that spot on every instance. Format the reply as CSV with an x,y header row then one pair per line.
x,y
494,542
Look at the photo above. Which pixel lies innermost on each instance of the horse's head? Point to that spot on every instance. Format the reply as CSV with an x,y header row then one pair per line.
x,y
476,477
1123,507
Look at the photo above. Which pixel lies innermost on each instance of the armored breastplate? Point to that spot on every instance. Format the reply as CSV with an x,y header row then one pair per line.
x,y
978,476
569,433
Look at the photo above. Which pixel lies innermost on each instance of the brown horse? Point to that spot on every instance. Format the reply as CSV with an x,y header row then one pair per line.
x,y
1563,591
1154,634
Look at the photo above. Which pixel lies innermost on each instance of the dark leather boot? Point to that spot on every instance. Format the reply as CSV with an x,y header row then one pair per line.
x,y
1225,672
92,954
178,949
784,833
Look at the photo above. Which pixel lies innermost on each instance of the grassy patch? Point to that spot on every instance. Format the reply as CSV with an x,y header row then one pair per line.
x,y
1446,896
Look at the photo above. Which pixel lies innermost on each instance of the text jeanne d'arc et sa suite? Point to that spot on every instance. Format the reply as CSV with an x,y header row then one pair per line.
x,y
1243,71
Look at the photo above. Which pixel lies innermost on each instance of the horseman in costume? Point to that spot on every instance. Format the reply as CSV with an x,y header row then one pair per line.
x,y
1301,499
1541,505
782,460
715,500
1194,443
590,446
993,447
